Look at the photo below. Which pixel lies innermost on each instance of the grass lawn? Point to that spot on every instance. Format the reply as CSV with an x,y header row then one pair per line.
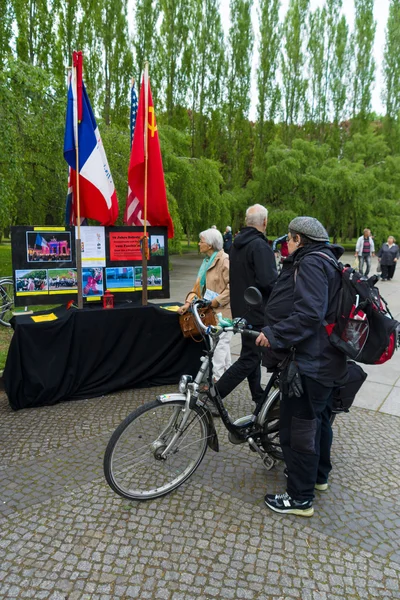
x,y
5,259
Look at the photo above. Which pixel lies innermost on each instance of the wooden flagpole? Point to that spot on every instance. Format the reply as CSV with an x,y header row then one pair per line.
x,y
146,156
78,244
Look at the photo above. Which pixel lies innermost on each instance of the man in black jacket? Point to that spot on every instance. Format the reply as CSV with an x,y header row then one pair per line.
x,y
252,262
227,239
300,309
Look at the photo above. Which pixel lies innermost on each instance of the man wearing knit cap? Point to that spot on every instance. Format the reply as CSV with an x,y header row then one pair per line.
x,y
303,301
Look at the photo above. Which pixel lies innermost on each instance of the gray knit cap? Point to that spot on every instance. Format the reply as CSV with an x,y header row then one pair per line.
x,y
309,227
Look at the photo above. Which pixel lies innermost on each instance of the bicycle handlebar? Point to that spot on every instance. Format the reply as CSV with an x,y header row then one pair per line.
x,y
251,333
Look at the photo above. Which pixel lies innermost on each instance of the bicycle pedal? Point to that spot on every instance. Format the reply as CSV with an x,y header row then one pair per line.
x,y
268,462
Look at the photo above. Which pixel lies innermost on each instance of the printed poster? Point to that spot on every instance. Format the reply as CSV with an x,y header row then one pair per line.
x,y
125,245
93,243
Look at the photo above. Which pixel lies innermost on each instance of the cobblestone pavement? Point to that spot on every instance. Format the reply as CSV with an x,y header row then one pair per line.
x,y
65,535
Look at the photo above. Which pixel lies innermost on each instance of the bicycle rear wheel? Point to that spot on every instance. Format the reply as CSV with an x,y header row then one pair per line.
x,y
133,465
6,301
270,433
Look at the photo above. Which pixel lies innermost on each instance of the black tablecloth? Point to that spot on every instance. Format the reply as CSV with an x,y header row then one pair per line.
x,y
91,352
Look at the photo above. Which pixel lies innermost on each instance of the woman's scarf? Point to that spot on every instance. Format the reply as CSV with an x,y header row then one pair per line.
x,y
201,275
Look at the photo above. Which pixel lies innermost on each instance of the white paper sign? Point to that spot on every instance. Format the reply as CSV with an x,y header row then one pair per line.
x,y
93,244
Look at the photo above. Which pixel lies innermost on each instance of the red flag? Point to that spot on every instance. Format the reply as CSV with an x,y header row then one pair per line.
x,y
157,206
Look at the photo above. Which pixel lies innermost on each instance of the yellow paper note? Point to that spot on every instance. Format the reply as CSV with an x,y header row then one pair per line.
x,y
173,308
41,318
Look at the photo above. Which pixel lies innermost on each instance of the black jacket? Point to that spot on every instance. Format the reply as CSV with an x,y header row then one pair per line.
x,y
252,262
387,255
227,240
305,295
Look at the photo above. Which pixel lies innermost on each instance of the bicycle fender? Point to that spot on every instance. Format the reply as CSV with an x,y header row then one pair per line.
x,y
165,398
212,437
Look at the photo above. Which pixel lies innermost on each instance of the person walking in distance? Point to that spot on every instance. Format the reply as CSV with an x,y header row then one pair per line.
x,y
388,257
252,263
365,248
227,239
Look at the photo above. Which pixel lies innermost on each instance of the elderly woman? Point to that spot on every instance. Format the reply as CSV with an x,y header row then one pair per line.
x,y
388,256
213,283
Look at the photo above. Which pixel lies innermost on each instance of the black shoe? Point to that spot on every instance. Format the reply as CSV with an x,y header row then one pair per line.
x,y
284,504
320,487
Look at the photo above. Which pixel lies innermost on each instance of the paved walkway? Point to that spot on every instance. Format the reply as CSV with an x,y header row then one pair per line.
x,y
65,535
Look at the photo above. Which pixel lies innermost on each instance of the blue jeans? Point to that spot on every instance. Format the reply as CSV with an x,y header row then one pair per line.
x,y
364,259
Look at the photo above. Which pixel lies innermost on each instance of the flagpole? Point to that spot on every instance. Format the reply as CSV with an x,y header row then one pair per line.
x,y
78,245
146,128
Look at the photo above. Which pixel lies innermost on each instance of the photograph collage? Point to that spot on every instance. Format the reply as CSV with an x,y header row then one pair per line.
x,y
95,280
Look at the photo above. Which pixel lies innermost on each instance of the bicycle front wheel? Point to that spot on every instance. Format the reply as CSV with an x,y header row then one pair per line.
x,y
6,301
133,463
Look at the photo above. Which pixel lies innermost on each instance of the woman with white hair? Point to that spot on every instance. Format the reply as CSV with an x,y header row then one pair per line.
x,y
213,282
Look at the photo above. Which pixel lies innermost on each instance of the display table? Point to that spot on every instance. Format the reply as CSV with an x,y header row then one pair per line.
x,y
95,351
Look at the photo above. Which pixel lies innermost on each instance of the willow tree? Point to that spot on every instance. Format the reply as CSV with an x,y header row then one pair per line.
x,y
267,85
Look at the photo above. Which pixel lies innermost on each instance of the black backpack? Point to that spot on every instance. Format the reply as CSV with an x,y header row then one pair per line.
x,y
364,329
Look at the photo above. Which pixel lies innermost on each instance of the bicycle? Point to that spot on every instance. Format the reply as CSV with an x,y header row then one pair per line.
x,y
161,444
6,300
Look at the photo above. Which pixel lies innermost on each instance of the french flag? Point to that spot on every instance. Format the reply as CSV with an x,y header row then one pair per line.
x,y
98,199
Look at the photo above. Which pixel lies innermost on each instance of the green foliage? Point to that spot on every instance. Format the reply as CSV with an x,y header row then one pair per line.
x,y
301,155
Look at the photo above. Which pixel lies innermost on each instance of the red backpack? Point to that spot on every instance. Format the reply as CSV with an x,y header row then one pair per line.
x,y
364,329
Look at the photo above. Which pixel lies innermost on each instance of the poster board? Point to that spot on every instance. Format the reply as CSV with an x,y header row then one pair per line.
x,y
44,264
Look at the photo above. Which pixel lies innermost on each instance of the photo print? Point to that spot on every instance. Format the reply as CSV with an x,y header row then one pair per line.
x,y
157,245
92,281
31,281
154,278
48,246
63,280
119,278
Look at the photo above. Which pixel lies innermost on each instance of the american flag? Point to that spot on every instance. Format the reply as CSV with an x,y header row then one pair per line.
x,y
131,216
134,105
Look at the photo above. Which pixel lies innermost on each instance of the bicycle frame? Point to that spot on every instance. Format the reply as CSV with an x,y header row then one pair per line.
x,y
240,430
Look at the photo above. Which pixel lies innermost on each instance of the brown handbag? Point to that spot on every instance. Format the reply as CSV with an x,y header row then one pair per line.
x,y
188,324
